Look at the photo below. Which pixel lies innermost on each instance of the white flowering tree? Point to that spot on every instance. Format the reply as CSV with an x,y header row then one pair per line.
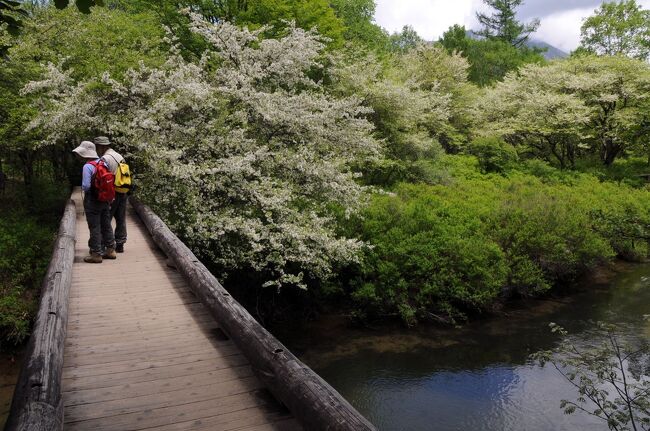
x,y
584,105
419,100
243,154
617,92
529,109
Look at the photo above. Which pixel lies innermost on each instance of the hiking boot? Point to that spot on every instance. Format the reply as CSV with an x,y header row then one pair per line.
x,y
93,258
119,248
109,254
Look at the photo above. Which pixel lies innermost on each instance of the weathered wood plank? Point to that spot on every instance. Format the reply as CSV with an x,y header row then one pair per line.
x,y
155,373
156,387
159,401
172,414
37,402
182,358
313,401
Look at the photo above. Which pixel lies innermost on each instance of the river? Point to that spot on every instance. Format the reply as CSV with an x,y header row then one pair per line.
x,y
481,376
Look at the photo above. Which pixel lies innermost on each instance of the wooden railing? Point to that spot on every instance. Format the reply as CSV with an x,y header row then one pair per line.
x,y
37,403
315,404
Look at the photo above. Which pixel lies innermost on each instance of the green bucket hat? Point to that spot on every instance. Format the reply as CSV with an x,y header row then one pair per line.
x,y
102,140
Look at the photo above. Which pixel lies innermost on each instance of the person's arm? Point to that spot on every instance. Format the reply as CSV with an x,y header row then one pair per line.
x,y
86,179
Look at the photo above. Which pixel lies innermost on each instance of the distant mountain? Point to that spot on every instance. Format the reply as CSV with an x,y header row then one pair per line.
x,y
550,53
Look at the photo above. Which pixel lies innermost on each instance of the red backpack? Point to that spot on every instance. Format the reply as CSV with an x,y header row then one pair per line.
x,y
103,182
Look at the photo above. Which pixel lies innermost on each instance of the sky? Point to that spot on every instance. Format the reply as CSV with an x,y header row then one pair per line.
x,y
560,19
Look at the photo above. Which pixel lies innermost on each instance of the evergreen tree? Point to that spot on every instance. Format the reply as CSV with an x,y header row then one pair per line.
x,y
503,24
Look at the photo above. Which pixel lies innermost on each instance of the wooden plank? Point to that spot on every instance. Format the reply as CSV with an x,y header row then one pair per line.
x,y
156,387
153,334
184,396
129,366
178,290
136,310
87,358
228,421
133,345
81,330
313,401
145,323
150,374
173,414
149,316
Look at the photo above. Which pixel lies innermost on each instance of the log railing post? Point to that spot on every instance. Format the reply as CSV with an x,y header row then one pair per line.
x,y
314,403
37,403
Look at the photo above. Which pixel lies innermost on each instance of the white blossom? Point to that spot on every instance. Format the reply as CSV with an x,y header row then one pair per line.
x,y
248,163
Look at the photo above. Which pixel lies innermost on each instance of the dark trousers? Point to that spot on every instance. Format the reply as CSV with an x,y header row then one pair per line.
x,y
118,211
98,216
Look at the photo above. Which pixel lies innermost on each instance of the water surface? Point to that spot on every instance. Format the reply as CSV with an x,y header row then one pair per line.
x,y
480,377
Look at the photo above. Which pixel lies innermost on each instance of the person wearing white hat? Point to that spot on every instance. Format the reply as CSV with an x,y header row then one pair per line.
x,y
98,214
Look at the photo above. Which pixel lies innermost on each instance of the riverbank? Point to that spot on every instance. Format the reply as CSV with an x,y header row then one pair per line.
x,y
319,340
10,365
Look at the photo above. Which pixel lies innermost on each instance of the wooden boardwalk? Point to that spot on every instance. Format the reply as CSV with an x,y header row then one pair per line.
x,y
142,352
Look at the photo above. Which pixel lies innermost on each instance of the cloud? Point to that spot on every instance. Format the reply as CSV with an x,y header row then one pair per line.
x,y
562,29
560,19
430,18
538,9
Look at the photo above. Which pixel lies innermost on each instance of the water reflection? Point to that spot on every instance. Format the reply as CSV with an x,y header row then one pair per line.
x,y
480,377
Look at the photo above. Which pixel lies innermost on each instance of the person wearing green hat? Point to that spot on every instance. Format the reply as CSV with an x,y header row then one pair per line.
x,y
98,214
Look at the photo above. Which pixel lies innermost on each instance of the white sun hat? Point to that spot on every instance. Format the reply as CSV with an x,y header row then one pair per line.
x,y
86,150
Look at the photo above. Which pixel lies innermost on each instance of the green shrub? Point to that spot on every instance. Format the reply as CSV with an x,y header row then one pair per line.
x,y
25,249
28,223
458,248
493,154
623,170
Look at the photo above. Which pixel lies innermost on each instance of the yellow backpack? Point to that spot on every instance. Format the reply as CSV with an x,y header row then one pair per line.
x,y
122,178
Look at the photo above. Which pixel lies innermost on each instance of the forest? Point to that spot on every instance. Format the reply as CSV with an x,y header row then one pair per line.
x,y
311,158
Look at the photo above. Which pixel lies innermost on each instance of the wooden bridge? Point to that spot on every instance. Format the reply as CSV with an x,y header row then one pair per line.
x,y
153,341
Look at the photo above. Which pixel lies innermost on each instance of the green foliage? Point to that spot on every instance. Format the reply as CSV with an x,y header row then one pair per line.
x,y
307,14
427,255
493,154
611,377
28,220
405,40
358,18
11,13
420,104
628,170
618,28
459,247
578,108
24,255
105,41
489,59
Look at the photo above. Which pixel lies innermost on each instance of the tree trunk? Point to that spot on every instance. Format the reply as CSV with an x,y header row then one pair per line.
x,y
27,161
611,152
